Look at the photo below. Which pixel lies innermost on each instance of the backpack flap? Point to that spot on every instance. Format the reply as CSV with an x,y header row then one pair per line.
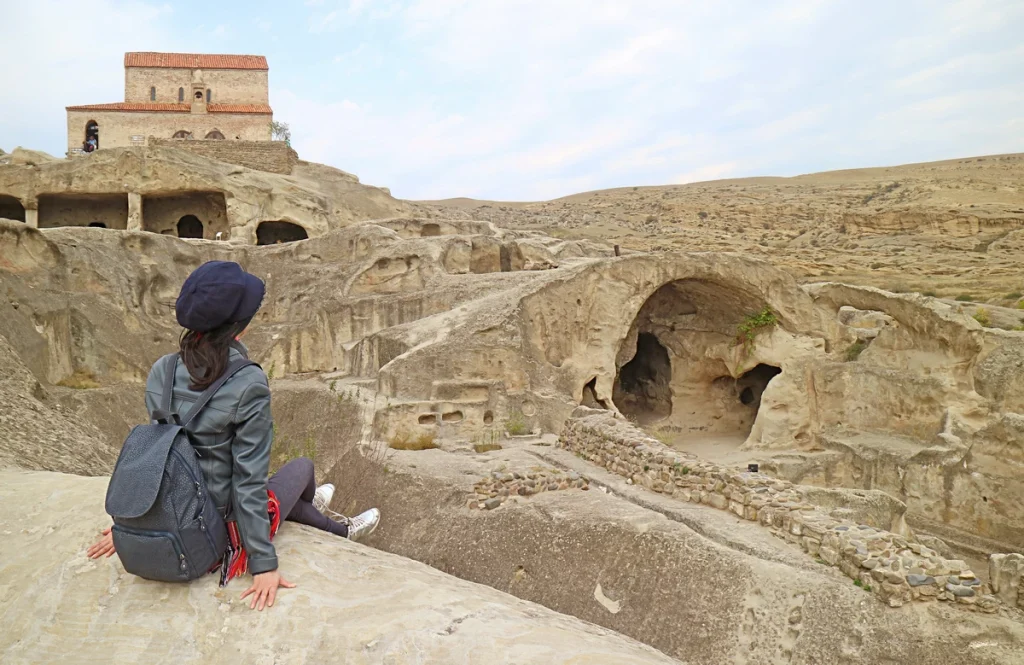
x,y
139,471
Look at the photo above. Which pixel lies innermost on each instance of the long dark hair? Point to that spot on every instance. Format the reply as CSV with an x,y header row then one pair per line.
x,y
206,354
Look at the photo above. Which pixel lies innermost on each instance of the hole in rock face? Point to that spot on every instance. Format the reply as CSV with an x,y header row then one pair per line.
x,y
590,396
189,226
452,417
97,225
747,395
11,208
642,387
488,417
428,419
430,230
272,233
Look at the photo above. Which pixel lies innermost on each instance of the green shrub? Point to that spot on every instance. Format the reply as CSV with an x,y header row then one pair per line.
x,y
965,297
930,294
854,350
1016,295
753,325
516,424
982,317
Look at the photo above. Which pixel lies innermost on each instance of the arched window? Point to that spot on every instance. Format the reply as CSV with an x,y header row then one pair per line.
x,y
181,134
199,95
209,95
92,136
181,95
214,134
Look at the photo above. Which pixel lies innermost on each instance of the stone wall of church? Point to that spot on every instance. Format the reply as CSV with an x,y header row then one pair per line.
x,y
117,128
227,86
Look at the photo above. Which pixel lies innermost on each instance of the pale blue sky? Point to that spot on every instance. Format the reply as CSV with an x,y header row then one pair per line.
x,y
531,99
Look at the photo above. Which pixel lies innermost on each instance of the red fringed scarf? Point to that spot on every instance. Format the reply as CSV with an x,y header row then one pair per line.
x,y
236,561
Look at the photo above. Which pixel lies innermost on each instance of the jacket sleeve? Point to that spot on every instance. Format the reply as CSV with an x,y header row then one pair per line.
x,y
155,386
250,453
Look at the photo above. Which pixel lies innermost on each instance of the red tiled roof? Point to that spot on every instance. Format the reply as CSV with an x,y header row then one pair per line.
x,y
238,108
195,60
155,107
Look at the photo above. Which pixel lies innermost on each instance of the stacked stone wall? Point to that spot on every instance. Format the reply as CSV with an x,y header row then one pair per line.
x,y
893,566
272,156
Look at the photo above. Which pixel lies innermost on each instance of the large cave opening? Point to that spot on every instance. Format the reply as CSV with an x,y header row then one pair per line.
x,y
272,233
111,210
642,388
11,208
675,363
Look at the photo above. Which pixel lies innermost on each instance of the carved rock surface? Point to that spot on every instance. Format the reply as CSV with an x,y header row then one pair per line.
x,y
353,604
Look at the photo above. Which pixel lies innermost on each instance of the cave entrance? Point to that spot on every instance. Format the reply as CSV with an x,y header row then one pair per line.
x,y
189,226
164,213
748,390
110,210
11,208
430,230
642,387
272,233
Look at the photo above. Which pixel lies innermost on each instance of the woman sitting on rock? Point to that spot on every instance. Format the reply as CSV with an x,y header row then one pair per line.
x,y
233,433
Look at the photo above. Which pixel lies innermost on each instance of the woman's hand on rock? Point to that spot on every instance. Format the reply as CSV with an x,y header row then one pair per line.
x,y
105,545
264,589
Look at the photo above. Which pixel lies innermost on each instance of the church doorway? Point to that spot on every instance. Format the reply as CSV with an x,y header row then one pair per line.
x,y
189,226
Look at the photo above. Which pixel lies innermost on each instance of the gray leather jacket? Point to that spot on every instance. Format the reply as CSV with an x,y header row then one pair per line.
x,y
232,437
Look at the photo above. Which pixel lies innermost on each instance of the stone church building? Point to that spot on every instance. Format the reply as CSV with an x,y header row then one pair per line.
x,y
178,95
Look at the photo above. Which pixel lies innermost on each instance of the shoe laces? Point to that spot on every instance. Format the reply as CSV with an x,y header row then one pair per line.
x,y
338,517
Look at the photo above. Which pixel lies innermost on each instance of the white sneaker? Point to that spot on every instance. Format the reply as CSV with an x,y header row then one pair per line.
x,y
363,524
322,497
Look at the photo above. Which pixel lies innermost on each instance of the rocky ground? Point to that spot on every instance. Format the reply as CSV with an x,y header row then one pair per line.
x,y
953,228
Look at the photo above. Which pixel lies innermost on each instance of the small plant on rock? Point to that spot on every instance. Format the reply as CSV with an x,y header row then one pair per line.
x,y
333,385
982,317
82,379
516,424
854,350
753,325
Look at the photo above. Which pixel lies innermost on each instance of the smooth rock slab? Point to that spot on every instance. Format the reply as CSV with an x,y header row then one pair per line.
x,y
353,604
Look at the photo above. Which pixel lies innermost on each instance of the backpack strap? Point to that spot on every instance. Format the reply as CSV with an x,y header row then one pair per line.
x,y
207,394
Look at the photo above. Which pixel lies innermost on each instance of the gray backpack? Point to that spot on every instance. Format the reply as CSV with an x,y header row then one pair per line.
x,y
166,527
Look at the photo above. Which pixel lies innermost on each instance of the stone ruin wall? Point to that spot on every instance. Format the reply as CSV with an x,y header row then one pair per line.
x,y
891,565
270,156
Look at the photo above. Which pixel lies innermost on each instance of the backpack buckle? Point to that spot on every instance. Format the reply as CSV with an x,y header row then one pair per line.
x,y
162,417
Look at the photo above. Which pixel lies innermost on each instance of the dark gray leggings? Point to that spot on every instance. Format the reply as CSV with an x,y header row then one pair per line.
x,y
294,485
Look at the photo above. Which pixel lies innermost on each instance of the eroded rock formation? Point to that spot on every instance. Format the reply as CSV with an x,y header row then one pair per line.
x,y
470,347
